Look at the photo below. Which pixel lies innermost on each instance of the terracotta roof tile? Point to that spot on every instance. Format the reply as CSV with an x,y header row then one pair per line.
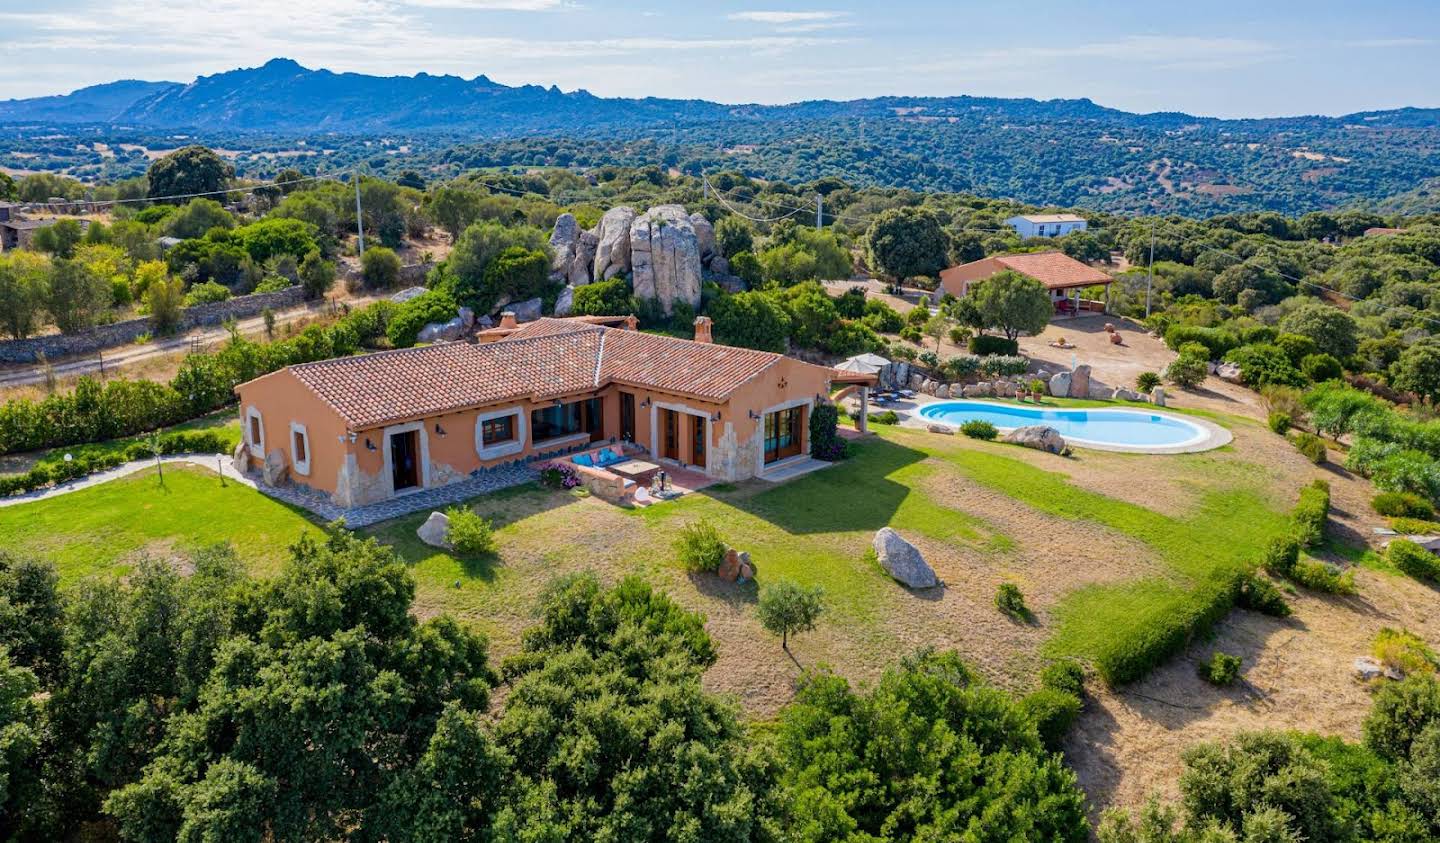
x,y
545,358
1056,270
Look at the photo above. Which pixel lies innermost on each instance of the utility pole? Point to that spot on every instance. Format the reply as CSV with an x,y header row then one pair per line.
x,y
819,211
359,215
1150,274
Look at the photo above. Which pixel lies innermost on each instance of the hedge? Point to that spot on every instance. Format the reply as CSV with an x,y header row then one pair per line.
x,y
1311,513
1216,340
986,344
179,442
1128,658
1414,560
93,412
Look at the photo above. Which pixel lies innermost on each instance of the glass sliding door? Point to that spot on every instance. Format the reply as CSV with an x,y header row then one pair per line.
x,y
566,419
782,434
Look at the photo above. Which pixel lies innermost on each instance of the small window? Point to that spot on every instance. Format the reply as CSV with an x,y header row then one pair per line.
x,y
497,430
254,430
299,454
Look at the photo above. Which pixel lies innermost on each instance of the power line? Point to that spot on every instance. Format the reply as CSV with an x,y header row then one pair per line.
x,y
246,189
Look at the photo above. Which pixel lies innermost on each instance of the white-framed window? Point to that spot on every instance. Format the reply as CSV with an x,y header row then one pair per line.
x,y
255,432
299,448
500,433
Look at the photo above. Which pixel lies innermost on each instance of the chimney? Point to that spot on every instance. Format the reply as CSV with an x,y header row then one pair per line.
x,y
632,323
507,320
702,329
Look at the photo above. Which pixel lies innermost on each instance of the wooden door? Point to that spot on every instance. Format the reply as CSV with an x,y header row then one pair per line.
x,y
405,459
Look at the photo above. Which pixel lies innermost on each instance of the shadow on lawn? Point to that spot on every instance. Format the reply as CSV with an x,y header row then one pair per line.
x,y
855,495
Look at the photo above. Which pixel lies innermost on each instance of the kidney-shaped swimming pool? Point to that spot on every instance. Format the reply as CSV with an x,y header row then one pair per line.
x,y
1115,428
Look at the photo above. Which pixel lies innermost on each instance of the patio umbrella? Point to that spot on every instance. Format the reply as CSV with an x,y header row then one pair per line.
x,y
868,364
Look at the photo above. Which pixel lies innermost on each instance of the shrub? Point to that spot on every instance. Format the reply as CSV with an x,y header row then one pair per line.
x,y
1279,422
1310,446
1216,341
1280,556
825,442
984,344
1402,505
700,548
1194,349
1321,367
1318,576
559,475
1404,651
1010,601
1414,560
469,534
979,429
885,417
603,298
1261,595
750,320
881,317
1415,526
274,284
415,314
1264,365
1004,365
1064,675
910,333
206,293
1296,346
1187,371
929,359
960,366
1220,669
1284,399
1147,381
1312,513
1053,713
959,335
379,268
1401,711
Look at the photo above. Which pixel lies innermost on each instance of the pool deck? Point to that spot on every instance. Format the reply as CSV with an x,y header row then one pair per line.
x,y
1215,435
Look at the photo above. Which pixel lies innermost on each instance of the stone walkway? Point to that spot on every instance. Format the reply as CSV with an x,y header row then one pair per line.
x,y
211,462
316,502
436,498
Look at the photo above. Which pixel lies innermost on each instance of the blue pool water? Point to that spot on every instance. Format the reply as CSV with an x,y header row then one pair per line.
x,y
1117,428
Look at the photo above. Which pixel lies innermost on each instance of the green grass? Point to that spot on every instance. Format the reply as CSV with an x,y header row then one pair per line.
x,y
814,530
104,528
1091,617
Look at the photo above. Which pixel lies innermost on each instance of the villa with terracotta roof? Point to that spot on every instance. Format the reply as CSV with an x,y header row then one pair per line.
x,y
1061,274
367,428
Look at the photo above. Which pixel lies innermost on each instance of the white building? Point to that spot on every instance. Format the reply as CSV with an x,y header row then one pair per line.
x,y
1046,225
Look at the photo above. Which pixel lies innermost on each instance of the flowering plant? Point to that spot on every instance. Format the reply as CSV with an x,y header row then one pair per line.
x,y
559,475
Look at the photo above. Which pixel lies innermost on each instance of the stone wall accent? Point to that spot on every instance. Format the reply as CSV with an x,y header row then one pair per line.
x,y
124,333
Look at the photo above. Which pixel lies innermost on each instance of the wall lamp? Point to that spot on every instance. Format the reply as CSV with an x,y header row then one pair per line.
x,y
645,403
439,430
715,417
369,446
754,415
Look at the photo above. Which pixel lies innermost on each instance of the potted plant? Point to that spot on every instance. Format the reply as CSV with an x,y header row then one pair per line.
x,y
1037,390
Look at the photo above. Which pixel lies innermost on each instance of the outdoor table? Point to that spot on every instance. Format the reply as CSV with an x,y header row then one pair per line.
x,y
638,470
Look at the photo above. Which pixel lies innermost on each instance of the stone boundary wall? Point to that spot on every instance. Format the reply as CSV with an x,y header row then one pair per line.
x,y
101,337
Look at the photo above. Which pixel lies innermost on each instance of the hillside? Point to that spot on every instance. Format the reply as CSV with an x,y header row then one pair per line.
x,y
1053,152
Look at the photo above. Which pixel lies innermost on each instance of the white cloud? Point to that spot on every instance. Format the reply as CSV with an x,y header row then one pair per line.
x,y
1389,43
493,5
782,18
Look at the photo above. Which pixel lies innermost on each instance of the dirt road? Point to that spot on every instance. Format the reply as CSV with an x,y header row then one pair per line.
x,y
118,358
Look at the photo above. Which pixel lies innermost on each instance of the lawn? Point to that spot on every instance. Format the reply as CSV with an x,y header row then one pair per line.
x,y
814,530
224,422
105,528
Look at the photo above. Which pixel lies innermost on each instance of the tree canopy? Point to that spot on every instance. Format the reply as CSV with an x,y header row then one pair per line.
x,y
1013,304
187,171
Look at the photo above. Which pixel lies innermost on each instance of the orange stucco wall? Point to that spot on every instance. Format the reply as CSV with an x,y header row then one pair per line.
x,y
354,473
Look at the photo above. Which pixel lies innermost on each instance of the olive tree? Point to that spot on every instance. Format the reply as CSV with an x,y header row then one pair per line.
x,y
1013,304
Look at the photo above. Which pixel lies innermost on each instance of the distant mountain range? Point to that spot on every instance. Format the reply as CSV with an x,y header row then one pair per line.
x,y
282,96
1065,152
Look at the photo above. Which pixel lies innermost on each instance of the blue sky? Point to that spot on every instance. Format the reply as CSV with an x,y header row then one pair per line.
x,y
1226,59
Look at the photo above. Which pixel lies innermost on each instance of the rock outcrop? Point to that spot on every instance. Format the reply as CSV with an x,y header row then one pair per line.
x,y
527,311
274,471
705,235
565,302
1038,436
447,331
435,531
902,560
1060,384
612,243
665,257
1080,382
